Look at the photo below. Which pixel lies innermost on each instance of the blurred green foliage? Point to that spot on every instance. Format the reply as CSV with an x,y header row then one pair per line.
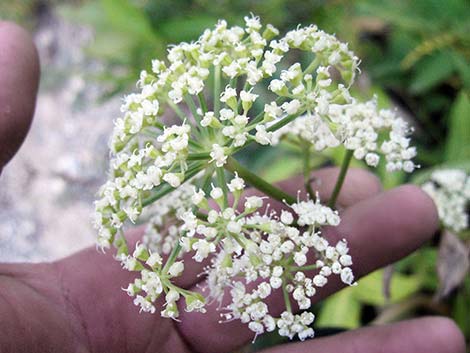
x,y
22,11
415,52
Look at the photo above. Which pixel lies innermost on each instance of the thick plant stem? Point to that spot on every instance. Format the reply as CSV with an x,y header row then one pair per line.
x,y
270,190
342,174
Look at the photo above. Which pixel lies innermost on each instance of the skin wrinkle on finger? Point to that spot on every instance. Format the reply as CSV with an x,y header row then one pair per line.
x,y
431,334
36,308
19,75
379,230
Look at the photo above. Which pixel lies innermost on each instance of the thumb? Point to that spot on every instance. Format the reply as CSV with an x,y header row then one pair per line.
x,y
19,77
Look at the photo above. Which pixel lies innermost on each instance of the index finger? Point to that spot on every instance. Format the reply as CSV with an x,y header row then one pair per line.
x,y
432,334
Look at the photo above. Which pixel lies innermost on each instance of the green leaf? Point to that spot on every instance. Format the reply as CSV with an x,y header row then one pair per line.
x,y
110,45
340,310
282,168
461,308
181,29
462,67
123,33
370,288
122,15
458,138
431,71
398,14
391,180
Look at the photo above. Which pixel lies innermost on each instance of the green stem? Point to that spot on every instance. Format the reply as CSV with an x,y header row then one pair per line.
x,y
275,127
194,144
238,240
177,110
174,254
223,184
307,170
202,102
201,216
313,65
206,179
342,174
164,189
159,125
286,120
216,90
233,166
286,298
192,106
198,156
245,88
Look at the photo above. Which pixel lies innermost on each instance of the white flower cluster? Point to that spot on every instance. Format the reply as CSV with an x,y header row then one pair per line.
x,y
147,154
135,174
450,190
359,127
155,279
196,209
280,257
252,254
162,233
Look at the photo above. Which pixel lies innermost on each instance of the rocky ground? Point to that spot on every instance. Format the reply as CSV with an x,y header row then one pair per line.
x,y
47,191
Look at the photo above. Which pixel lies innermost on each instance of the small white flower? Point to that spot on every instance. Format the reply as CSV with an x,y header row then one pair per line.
x,y
198,197
144,304
291,107
216,193
253,202
236,184
320,280
173,179
286,217
262,136
203,248
300,259
176,269
218,155
234,227
154,259
347,276
275,282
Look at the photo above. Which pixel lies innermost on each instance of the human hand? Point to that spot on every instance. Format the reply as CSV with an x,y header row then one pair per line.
x,y
75,305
